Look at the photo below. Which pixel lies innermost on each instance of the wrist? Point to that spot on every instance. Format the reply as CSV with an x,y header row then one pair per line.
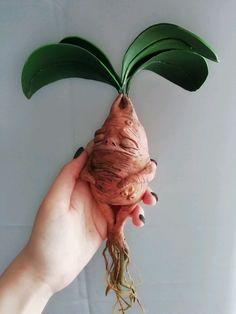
x,y
21,288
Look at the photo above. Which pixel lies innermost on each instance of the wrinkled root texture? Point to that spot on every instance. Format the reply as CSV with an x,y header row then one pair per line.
x,y
118,277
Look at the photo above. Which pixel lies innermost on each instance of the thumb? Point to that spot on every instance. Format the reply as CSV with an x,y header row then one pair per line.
x,y
64,183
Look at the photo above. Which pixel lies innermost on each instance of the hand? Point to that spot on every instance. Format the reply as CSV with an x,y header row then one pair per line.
x,y
67,232
65,235
69,228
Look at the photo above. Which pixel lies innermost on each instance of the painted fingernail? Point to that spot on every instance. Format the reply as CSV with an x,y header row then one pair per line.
x,y
154,194
79,151
153,160
142,218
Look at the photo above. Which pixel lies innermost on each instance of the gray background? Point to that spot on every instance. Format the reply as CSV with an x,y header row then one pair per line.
x,y
184,258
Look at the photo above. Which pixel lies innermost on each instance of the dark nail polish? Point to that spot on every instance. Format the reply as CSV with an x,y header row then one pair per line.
x,y
79,151
142,218
154,194
153,160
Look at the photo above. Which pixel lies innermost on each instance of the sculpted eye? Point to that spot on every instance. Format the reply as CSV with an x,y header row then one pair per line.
x,y
98,137
128,143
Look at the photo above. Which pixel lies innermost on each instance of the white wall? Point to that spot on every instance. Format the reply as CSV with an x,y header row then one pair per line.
x,y
185,255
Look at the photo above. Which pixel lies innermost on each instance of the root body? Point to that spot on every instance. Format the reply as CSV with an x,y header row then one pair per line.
x,y
119,170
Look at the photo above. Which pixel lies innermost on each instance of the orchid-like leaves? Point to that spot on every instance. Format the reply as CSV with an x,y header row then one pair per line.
x,y
165,49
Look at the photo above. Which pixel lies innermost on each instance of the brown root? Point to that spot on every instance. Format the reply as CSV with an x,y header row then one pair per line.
x,y
118,277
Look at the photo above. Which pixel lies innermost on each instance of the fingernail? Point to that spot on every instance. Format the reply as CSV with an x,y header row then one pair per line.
x,y
153,160
79,151
154,194
142,218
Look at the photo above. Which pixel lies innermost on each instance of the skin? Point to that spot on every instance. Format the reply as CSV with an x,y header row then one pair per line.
x,y
67,232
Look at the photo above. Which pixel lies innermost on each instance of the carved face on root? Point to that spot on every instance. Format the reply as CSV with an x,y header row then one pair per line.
x,y
119,167
122,130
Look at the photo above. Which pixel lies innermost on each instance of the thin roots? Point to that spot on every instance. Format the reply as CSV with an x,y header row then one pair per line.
x,y
118,276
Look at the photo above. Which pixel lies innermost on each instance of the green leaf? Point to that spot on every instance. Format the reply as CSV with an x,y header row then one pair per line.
x,y
186,69
162,31
57,61
151,51
83,43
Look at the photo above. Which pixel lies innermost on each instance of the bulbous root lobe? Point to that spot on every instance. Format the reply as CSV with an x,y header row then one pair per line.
x,y
118,277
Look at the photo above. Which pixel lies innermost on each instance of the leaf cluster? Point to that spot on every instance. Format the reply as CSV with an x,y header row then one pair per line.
x,y
165,49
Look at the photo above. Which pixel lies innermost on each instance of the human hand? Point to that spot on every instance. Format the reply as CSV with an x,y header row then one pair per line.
x,y
69,228
67,232
65,235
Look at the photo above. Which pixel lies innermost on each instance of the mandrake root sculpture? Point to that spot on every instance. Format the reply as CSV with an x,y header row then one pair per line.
x,y
119,168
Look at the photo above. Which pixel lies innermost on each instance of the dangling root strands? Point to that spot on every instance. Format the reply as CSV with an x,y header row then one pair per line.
x,y
118,277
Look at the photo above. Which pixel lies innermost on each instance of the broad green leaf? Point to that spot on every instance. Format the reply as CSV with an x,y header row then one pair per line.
x,y
57,61
186,69
83,43
166,31
153,50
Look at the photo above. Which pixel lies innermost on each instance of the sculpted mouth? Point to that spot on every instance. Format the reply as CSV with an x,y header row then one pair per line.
x,y
102,147
106,147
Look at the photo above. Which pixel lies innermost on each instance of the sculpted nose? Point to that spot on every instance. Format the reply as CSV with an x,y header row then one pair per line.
x,y
110,141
